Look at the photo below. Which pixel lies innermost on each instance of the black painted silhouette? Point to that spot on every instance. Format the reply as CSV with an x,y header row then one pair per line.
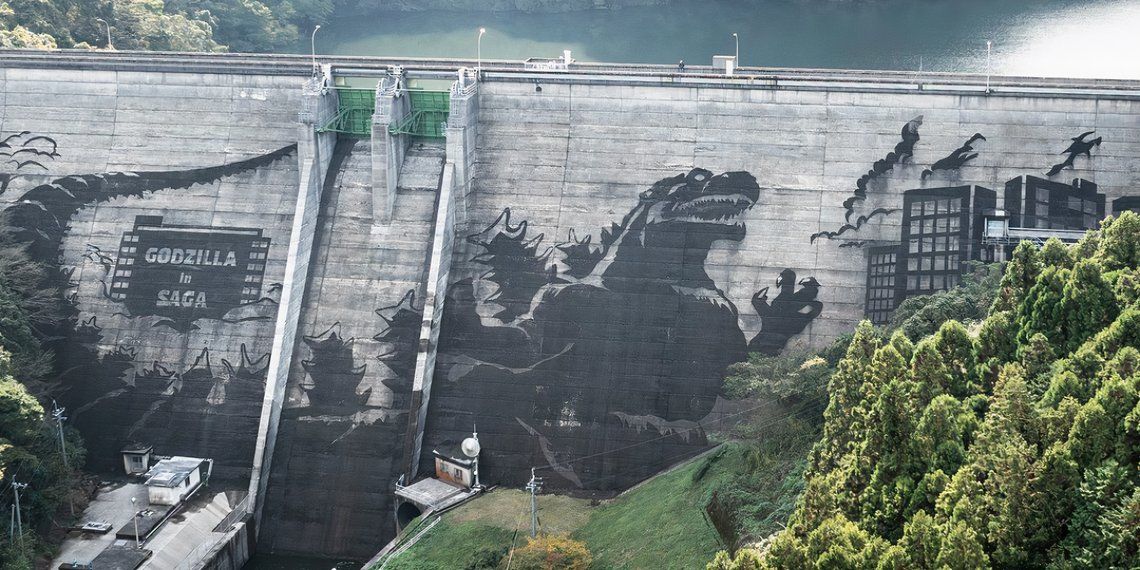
x,y
111,394
20,151
787,315
957,158
876,213
333,374
580,255
399,339
627,332
514,264
853,244
1078,147
903,151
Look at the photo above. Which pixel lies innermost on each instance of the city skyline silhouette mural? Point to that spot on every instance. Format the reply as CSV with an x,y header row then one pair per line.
x,y
572,354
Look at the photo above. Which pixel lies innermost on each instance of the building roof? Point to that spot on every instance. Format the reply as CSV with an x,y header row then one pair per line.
x,y
137,448
453,454
432,493
173,471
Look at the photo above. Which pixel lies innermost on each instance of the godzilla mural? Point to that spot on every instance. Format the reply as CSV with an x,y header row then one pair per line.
x,y
903,151
1078,147
603,361
957,157
123,383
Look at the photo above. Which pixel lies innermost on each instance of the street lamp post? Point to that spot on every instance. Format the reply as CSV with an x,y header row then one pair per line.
x,y
313,48
109,46
737,38
136,519
989,53
479,52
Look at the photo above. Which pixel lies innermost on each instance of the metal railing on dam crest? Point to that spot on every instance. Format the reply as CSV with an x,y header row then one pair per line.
x,y
577,72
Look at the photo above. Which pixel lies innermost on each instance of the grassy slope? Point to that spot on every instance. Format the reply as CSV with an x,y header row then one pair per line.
x,y
660,521
656,526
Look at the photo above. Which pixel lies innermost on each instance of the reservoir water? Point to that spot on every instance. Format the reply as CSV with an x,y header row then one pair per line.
x,y
1094,38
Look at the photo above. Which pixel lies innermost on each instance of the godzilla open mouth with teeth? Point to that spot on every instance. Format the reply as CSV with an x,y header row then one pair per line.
x,y
711,208
703,198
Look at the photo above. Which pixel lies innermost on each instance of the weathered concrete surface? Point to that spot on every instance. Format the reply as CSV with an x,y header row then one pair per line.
x,y
577,161
598,361
315,154
576,156
135,370
339,446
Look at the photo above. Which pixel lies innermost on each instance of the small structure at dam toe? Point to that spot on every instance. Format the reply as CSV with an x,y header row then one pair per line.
x,y
317,279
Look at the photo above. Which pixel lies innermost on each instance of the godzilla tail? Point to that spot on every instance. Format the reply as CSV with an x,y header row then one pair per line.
x,y
40,217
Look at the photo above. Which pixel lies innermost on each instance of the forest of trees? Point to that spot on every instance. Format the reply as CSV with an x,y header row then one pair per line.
x,y
30,452
173,25
1014,443
215,25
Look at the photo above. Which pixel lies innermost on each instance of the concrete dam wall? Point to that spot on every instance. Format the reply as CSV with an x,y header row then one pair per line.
x,y
165,201
568,266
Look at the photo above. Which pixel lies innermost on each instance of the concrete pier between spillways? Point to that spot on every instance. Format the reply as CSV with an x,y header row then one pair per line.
x,y
568,266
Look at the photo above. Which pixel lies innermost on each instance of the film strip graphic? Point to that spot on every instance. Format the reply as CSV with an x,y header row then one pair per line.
x,y
199,271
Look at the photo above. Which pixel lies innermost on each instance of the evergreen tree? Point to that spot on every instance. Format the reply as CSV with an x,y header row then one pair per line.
x,y
845,411
1017,448
1056,254
956,348
961,550
1020,274
1088,304
1119,245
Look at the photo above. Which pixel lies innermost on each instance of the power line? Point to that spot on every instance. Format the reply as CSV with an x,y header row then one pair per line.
x,y
514,537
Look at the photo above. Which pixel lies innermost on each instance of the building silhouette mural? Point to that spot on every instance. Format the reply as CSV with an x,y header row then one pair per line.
x,y
942,228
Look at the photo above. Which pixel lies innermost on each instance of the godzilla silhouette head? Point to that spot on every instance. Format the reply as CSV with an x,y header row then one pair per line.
x,y
699,197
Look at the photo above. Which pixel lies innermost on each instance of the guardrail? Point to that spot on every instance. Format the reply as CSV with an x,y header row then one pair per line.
x,y
504,70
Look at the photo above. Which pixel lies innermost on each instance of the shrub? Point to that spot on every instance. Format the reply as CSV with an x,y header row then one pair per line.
x,y
552,552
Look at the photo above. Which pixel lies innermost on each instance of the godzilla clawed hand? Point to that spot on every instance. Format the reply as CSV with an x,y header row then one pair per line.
x,y
788,314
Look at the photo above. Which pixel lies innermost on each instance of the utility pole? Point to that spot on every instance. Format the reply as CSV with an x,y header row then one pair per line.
x,y
533,486
19,520
57,415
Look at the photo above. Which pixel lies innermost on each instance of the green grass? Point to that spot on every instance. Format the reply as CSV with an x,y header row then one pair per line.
x,y
452,546
658,526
